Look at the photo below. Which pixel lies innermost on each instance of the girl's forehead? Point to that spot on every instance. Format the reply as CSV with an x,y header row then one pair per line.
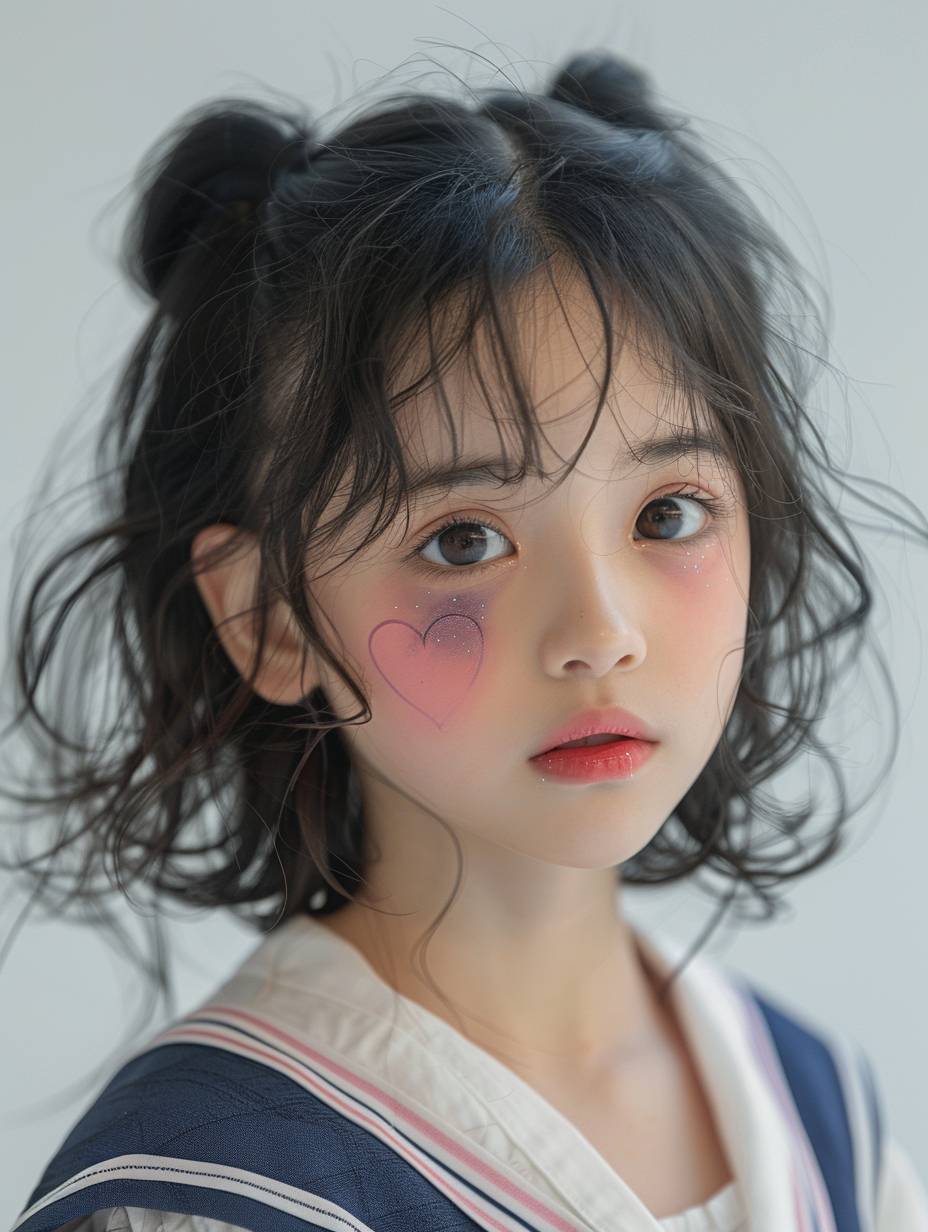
x,y
472,420
634,430
551,339
475,406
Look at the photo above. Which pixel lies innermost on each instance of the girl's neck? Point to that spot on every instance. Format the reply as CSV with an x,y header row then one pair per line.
x,y
588,1008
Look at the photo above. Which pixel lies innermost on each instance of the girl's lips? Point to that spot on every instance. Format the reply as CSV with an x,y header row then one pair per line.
x,y
619,759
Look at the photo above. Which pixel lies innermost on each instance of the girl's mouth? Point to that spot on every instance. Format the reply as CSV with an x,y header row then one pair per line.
x,y
594,758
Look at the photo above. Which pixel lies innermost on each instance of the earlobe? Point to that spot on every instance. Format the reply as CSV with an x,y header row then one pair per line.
x,y
228,590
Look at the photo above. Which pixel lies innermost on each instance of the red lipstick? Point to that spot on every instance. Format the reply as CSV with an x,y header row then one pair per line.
x,y
620,757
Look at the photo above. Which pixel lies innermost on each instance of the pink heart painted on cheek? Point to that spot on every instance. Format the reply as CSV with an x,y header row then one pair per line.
x,y
432,671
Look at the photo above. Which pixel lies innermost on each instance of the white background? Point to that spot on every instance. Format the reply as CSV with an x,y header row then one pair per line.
x,y
821,104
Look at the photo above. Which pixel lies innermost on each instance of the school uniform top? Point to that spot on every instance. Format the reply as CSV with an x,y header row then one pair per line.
x,y
306,1093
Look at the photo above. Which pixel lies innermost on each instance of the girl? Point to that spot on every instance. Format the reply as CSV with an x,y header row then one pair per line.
x,y
466,505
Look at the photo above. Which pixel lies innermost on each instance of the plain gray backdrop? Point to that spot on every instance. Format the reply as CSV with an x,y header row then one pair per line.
x,y
818,107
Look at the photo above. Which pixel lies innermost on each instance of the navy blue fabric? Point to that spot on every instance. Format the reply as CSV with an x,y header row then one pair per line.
x,y
813,1078
203,1103
193,1101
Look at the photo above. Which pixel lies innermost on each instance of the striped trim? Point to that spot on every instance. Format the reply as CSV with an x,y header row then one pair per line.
x,y
468,1176
814,1211
853,1200
316,1211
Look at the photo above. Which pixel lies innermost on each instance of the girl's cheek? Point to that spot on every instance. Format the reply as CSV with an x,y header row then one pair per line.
x,y
708,574
708,586
432,654
693,567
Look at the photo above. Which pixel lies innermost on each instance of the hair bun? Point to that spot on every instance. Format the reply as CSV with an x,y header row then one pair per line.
x,y
222,158
609,87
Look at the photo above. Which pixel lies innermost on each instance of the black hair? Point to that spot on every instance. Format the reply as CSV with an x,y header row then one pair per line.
x,y
288,273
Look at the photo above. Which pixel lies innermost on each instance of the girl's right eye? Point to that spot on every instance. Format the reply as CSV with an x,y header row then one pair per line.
x,y
471,538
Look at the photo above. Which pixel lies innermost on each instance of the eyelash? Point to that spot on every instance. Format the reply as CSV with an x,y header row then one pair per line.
x,y
719,509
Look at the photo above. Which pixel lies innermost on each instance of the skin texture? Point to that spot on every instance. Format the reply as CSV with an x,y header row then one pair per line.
x,y
580,603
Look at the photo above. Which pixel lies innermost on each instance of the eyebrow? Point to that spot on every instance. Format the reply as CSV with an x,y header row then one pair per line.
x,y
654,450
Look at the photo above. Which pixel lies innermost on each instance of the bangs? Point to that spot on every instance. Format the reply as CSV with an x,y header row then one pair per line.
x,y
472,352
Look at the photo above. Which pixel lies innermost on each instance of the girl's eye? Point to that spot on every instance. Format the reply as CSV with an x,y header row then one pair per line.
x,y
461,542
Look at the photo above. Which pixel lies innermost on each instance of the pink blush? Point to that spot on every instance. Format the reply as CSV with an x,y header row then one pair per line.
x,y
431,668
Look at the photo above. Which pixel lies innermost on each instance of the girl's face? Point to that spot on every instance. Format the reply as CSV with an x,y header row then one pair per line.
x,y
474,643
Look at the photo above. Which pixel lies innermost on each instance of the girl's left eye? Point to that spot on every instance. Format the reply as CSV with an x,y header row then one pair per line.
x,y
466,539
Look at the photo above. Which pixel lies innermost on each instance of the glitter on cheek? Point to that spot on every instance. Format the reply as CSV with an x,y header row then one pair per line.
x,y
691,564
699,563
432,662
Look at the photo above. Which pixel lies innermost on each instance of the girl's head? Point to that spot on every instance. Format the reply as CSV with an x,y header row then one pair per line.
x,y
502,606
550,283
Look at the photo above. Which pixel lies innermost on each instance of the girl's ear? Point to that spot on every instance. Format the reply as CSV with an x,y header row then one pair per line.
x,y
228,591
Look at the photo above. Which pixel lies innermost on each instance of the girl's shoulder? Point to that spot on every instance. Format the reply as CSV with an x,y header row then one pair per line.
x,y
828,1077
834,1085
815,1073
830,1080
203,1137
